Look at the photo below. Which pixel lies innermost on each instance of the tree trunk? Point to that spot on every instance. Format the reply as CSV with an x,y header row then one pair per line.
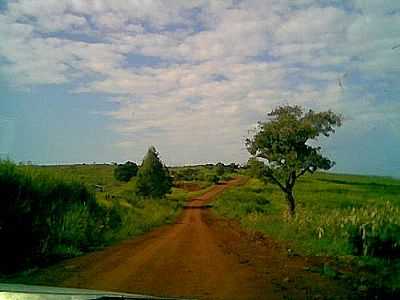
x,y
291,203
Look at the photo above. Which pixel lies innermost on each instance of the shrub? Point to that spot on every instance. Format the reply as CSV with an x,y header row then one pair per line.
x,y
255,168
125,171
187,174
379,240
214,179
153,176
220,169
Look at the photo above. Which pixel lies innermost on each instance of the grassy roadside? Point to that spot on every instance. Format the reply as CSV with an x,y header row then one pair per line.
x,y
59,212
355,220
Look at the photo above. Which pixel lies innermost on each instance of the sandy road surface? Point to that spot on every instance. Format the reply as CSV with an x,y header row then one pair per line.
x,y
200,256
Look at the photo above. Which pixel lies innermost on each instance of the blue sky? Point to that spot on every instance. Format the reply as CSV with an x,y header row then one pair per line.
x,y
84,81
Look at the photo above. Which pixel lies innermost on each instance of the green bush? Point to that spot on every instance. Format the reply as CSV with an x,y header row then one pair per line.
x,y
220,169
125,171
379,240
213,178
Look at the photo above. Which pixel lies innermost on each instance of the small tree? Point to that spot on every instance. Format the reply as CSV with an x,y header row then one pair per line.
x,y
282,142
153,177
232,167
125,171
220,169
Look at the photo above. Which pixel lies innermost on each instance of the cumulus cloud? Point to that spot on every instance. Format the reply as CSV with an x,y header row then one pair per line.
x,y
186,72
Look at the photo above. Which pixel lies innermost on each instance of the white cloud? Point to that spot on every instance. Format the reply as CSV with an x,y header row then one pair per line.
x,y
220,65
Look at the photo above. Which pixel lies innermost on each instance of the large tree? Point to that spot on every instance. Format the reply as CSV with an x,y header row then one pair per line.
x,y
283,144
153,177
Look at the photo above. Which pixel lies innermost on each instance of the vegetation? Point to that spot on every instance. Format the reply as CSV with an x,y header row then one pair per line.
x,y
354,218
205,174
126,171
47,214
283,142
214,179
54,216
153,176
220,169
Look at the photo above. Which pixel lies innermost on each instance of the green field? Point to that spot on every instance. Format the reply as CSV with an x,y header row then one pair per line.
x,y
354,219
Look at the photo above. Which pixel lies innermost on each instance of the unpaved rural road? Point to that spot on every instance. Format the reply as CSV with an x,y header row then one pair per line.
x,y
200,256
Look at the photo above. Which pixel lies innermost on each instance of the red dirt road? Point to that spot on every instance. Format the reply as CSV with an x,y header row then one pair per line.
x,y
200,256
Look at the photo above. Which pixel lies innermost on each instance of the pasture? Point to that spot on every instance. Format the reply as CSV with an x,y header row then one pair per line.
x,y
353,221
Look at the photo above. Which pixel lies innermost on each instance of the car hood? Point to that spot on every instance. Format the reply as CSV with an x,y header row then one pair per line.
x,y
30,292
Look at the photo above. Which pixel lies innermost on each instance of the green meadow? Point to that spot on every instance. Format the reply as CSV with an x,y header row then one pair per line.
x,y
355,220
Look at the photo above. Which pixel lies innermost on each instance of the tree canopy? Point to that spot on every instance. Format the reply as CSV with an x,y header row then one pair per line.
x,y
220,169
126,171
153,177
285,142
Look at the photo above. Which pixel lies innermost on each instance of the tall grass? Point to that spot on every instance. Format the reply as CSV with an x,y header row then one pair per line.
x,y
46,214
39,213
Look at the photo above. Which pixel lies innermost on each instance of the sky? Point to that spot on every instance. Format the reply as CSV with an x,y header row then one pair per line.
x,y
101,81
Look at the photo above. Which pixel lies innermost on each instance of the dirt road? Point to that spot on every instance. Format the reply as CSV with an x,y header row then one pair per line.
x,y
200,256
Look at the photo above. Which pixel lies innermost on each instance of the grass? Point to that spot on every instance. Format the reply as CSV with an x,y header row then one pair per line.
x,y
40,213
58,212
353,218
138,214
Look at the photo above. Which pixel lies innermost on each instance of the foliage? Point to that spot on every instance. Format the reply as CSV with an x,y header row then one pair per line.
x,y
232,167
126,171
204,174
241,202
255,168
153,176
34,207
214,179
187,174
56,217
374,231
220,169
283,142
340,215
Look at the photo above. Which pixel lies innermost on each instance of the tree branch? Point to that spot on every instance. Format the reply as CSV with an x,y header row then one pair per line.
x,y
292,179
302,172
277,182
